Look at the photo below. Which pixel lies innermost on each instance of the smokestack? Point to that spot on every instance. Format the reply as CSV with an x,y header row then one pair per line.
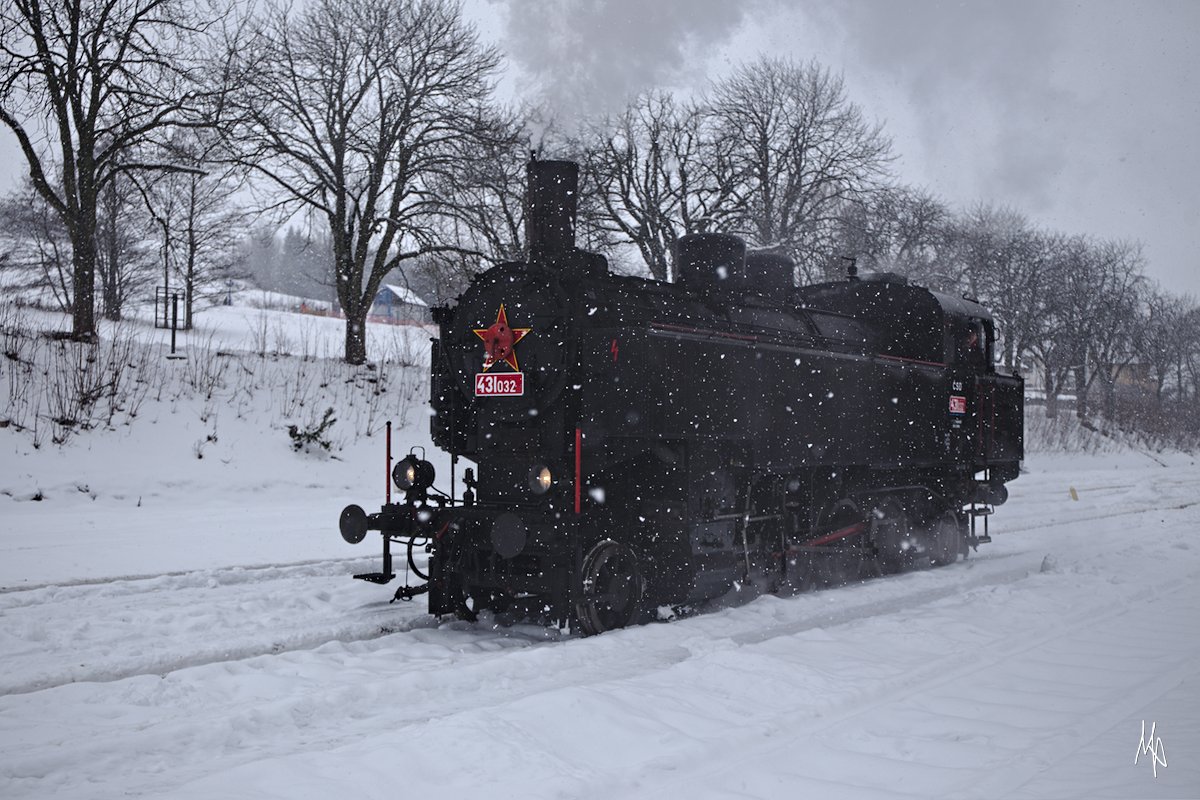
x,y
550,208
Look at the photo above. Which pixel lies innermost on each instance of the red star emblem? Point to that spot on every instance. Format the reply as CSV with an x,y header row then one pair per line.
x,y
499,340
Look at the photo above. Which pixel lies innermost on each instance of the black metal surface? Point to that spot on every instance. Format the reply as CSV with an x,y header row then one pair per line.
x,y
508,535
717,424
375,577
550,212
353,524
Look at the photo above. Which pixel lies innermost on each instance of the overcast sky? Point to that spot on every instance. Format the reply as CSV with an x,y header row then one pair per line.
x,y
1083,115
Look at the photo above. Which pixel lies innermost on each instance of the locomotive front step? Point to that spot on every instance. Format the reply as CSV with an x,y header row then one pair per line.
x,y
376,577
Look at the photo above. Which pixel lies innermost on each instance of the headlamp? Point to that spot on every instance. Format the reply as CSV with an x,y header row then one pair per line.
x,y
413,474
540,479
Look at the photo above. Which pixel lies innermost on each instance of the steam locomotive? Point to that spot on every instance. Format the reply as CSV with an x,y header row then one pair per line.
x,y
645,446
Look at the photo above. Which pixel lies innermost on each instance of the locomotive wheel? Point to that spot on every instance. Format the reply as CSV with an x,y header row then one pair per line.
x,y
800,572
945,539
894,539
611,588
864,565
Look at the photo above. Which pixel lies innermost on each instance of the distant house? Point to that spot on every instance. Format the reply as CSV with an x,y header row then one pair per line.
x,y
1135,375
399,304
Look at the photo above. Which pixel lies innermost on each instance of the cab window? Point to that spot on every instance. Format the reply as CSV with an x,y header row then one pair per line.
x,y
971,343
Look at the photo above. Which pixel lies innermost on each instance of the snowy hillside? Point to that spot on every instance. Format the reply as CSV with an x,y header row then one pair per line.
x,y
177,620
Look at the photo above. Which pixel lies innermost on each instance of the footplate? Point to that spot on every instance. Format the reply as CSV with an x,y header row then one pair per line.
x,y
974,539
376,577
385,575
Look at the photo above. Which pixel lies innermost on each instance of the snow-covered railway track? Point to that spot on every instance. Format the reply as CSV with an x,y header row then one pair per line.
x,y
182,578
111,629
192,620
115,629
865,677
941,678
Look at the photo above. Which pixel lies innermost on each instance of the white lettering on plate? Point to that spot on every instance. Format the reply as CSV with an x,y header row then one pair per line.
x,y
500,384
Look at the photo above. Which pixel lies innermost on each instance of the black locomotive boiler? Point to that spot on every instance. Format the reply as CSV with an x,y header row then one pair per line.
x,y
642,445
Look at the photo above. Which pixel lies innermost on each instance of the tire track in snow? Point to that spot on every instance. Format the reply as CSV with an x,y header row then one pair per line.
x,y
931,684
852,612
1116,512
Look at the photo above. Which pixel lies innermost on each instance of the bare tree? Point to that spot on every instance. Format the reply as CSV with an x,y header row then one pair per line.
x,y
1162,337
1090,290
1189,362
483,199
799,150
198,225
85,85
1118,280
900,229
1000,259
351,109
37,247
659,172
1057,346
124,252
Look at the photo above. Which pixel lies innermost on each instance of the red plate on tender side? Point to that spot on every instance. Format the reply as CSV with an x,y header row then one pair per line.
x,y
958,404
500,384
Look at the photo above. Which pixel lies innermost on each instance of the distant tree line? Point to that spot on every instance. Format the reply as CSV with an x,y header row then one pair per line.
x,y
167,142
800,171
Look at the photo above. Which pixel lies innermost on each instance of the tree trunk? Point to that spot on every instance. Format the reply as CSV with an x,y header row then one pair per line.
x,y
189,280
83,309
190,270
1051,395
1081,391
1108,384
189,288
356,335
112,296
108,275
166,261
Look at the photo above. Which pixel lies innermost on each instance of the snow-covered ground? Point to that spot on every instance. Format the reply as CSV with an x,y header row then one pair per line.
x,y
175,626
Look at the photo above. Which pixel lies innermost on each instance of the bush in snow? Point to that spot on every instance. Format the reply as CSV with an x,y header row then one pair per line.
x,y
313,435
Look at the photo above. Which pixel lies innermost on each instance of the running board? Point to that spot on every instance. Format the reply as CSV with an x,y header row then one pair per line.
x,y
376,577
386,575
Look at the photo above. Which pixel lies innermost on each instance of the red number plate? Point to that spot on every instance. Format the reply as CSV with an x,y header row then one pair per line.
x,y
958,404
500,384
